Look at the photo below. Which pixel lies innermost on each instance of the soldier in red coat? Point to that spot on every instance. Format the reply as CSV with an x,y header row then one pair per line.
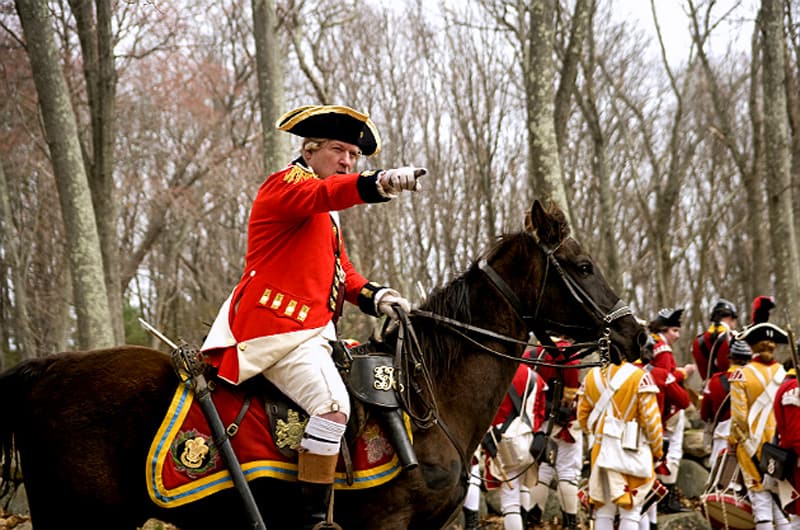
x,y
787,427
710,348
279,320
665,330
715,407
566,432
672,399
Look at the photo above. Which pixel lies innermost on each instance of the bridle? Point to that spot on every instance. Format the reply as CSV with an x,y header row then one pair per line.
x,y
531,320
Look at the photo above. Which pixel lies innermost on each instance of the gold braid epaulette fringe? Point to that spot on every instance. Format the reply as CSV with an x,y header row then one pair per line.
x,y
298,174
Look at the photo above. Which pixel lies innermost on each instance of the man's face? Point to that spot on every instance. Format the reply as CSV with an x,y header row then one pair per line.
x,y
672,334
334,156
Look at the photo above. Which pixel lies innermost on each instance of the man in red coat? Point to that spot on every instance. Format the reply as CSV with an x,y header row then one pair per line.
x,y
566,432
710,348
715,407
279,320
665,330
787,427
672,399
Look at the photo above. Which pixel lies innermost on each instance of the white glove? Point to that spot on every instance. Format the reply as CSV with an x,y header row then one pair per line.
x,y
689,369
393,181
386,298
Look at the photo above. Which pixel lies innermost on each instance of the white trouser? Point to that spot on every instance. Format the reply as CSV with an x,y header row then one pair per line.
x,y
628,519
308,376
766,512
569,461
649,517
473,498
511,494
720,441
676,424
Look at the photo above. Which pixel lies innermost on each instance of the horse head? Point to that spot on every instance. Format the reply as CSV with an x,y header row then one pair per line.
x,y
557,288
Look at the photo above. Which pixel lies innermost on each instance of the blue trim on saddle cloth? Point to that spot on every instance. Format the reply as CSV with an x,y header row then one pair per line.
x,y
205,486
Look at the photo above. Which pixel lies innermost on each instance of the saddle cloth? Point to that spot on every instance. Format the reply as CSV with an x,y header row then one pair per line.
x,y
184,465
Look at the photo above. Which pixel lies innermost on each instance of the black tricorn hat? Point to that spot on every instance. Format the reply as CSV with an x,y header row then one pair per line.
x,y
669,317
335,122
764,331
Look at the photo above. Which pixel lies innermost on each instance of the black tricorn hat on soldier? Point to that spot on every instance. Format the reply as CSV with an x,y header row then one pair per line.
x,y
723,308
334,122
765,331
669,317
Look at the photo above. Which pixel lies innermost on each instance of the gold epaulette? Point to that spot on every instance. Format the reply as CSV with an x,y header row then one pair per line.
x,y
298,174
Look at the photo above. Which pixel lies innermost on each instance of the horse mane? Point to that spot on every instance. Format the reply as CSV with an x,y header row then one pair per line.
x,y
443,350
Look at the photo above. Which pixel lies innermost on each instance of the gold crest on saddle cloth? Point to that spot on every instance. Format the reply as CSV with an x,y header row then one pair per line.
x,y
194,453
289,433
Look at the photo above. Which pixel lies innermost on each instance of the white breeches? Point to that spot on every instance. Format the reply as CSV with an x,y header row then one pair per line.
x,y
308,377
628,519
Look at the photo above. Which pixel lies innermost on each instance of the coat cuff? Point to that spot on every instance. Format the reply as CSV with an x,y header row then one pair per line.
x,y
366,298
367,185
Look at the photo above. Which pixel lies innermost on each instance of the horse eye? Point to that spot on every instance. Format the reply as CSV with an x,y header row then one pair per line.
x,y
585,269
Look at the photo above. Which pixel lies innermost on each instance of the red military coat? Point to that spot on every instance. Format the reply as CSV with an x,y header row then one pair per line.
x,y
537,394
571,380
291,279
714,342
663,358
714,394
671,397
787,423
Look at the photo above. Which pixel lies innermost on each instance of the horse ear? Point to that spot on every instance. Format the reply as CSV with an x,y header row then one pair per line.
x,y
546,227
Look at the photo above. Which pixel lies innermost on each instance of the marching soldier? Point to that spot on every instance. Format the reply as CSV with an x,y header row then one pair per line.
x,y
665,330
710,348
568,437
672,398
614,493
753,390
787,427
526,397
715,408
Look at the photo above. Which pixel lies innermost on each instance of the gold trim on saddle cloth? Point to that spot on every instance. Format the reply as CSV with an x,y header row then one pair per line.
x,y
169,431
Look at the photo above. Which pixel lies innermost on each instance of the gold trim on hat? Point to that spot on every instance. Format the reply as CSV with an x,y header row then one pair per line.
x,y
295,116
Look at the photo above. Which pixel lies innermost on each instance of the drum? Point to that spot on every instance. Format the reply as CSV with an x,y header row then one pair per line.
x,y
725,501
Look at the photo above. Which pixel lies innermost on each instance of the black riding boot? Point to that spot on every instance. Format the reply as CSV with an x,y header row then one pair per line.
x,y
534,517
471,519
569,520
670,503
314,503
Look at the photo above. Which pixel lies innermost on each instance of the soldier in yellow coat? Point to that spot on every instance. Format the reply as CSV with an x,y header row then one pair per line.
x,y
753,389
635,399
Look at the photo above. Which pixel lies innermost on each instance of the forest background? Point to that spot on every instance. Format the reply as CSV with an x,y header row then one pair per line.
x,y
135,134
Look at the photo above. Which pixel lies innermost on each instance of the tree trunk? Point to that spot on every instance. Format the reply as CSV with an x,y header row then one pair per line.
x,y
101,82
781,219
18,311
275,151
83,242
757,282
544,167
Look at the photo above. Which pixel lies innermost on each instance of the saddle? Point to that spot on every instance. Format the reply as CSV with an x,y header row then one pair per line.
x,y
265,429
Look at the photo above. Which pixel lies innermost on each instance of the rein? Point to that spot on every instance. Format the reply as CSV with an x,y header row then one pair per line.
x,y
414,372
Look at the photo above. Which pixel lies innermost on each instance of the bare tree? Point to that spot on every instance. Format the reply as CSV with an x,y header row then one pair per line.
x,y
91,299
270,82
781,214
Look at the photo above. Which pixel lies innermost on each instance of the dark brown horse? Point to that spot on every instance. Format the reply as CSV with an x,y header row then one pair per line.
x,y
82,422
